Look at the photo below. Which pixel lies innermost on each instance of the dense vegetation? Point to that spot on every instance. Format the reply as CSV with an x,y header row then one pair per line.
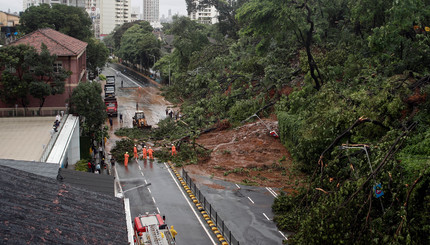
x,y
348,81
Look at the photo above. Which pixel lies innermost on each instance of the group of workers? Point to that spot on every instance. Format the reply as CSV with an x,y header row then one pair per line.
x,y
145,153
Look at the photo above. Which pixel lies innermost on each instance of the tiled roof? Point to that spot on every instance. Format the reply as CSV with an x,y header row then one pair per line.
x,y
41,210
58,43
101,183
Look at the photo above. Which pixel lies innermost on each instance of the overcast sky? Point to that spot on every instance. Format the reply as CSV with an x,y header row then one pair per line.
x,y
177,6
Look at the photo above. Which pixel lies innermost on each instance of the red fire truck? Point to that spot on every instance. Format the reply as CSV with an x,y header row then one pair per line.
x,y
151,229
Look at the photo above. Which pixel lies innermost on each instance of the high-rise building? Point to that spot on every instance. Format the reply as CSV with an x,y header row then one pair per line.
x,y
113,13
204,14
76,3
151,10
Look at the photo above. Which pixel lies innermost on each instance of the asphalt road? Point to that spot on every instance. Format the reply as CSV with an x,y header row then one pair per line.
x,y
148,185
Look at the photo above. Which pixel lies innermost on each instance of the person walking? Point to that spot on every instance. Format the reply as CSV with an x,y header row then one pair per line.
x,y
126,156
120,118
98,167
90,169
173,150
150,152
110,121
122,83
135,152
144,151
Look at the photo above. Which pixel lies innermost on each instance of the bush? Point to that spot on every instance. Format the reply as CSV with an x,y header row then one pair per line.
x,y
82,165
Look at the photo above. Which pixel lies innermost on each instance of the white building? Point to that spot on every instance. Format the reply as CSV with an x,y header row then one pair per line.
x,y
77,3
113,13
151,10
204,14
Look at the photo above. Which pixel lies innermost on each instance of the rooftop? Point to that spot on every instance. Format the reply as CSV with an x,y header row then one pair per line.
x,y
58,43
42,210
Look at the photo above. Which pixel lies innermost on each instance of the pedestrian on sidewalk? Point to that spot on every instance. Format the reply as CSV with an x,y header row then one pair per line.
x,y
173,150
126,156
98,167
150,151
90,169
101,151
135,152
144,151
120,118
122,83
93,167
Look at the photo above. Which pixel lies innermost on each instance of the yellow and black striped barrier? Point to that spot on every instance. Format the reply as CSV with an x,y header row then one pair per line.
x,y
199,206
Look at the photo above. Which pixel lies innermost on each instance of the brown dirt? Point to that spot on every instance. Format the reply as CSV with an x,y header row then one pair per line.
x,y
247,155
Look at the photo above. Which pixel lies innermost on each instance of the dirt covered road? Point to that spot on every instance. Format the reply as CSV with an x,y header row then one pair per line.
x,y
247,155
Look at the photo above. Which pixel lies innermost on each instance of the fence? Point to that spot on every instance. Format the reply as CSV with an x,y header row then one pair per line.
x,y
220,224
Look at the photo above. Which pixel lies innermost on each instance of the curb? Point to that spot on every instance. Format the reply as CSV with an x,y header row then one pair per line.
x,y
199,206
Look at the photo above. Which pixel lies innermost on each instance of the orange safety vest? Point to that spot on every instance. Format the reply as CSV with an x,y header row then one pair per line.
x,y
144,153
126,159
173,150
150,151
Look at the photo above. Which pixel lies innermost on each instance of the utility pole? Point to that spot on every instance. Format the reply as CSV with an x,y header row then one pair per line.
x,y
169,72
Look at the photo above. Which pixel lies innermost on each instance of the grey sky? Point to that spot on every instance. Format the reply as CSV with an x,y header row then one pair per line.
x,y
177,6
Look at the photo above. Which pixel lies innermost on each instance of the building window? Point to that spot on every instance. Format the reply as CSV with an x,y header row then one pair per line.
x,y
58,65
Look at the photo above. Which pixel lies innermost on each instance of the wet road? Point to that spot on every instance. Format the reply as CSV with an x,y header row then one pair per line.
x,y
149,185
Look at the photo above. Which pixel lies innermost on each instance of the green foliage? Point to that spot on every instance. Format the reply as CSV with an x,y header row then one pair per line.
x,y
87,102
70,20
134,133
121,147
82,165
97,54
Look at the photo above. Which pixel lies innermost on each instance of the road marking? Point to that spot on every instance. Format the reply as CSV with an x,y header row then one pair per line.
x,y
139,167
153,199
238,187
251,200
158,210
146,182
142,174
286,238
149,191
128,220
266,216
189,204
272,191
135,188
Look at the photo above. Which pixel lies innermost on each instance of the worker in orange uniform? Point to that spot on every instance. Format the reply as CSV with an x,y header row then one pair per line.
x,y
150,151
144,152
173,150
173,232
135,152
126,159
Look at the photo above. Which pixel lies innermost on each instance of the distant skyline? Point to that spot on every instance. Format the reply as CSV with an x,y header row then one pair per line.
x,y
177,6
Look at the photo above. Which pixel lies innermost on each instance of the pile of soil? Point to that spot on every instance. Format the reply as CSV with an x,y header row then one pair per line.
x,y
247,155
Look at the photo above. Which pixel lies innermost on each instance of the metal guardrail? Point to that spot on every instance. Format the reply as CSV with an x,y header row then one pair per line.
x,y
48,148
220,224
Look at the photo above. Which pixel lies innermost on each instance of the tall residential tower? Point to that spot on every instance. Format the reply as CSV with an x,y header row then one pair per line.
x,y
151,10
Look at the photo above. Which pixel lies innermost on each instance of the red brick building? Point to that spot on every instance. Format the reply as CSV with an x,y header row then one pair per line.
x,y
71,56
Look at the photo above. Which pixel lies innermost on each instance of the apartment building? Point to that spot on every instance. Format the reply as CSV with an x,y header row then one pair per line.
x,y
204,14
113,13
151,10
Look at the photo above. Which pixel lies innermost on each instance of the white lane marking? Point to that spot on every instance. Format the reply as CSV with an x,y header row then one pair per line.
x,y
153,199
238,187
149,191
146,182
189,204
139,167
266,216
251,200
128,220
142,174
286,238
135,188
158,210
272,191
